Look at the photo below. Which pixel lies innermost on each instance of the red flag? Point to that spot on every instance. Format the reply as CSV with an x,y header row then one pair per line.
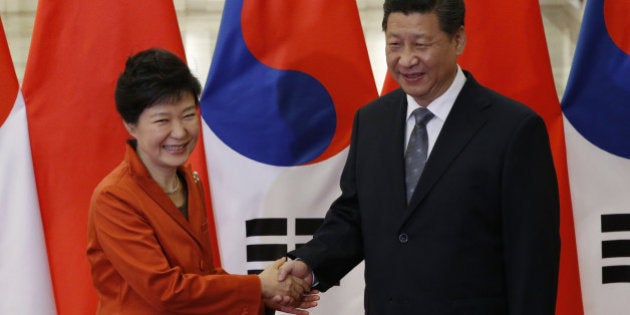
x,y
25,287
514,61
9,85
389,84
77,52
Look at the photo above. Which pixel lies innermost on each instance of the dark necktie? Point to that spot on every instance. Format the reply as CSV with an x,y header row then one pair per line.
x,y
416,154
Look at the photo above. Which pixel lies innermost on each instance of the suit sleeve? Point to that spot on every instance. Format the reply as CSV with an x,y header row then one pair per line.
x,y
531,221
337,246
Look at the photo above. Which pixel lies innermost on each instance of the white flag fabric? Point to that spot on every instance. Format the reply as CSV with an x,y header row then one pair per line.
x,y
596,106
277,122
25,286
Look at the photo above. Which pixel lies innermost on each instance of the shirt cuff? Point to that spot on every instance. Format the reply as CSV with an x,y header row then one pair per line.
x,y
315,282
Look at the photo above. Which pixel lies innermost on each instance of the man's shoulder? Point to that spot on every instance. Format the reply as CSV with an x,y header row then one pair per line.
x,y
393,99
497,100
396,95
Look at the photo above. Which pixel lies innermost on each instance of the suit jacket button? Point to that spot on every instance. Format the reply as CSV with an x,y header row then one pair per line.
x,y
403,238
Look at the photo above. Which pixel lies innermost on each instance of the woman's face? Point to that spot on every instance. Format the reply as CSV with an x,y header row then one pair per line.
x,y
166,133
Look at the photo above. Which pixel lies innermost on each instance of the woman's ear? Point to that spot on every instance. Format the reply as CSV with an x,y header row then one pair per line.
x,y
130,127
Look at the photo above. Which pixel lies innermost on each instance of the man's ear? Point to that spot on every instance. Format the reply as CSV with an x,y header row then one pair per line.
x,y
460,40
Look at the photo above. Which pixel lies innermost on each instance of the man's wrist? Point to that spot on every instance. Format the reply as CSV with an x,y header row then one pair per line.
x,y
315,282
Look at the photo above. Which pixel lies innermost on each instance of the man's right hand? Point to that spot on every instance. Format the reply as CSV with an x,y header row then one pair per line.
x,y
296,268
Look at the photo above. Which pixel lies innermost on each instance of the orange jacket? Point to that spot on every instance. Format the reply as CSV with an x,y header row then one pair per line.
x,y
146,258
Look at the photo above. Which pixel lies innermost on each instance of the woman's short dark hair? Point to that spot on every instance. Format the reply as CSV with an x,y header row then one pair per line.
x,y
152,76
450,13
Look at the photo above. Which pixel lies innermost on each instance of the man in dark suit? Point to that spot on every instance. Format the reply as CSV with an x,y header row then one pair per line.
x,y
478,232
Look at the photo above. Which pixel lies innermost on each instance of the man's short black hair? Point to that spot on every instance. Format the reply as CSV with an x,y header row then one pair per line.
x,y
450,13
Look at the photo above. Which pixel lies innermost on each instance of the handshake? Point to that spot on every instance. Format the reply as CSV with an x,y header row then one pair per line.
x,y
286,287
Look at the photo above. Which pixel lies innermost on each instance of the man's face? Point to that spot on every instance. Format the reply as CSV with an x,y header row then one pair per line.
x,y
421,57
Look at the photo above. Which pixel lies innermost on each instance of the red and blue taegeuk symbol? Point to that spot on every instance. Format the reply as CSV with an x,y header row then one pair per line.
x,y
273,93
597,98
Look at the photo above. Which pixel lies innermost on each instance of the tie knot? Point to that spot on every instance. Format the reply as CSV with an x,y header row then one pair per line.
x,y
422,116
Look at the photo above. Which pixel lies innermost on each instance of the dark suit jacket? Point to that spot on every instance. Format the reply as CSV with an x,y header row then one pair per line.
x,y
481,233
146,258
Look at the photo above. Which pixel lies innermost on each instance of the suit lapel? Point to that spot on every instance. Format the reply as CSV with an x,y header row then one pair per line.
x,y
197,224
394,151
463,122
153,190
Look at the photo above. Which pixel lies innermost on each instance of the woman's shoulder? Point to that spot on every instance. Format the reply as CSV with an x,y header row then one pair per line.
x,y
119,179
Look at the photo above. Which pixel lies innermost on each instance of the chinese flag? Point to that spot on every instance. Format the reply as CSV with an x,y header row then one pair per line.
x,y
78,50
514,61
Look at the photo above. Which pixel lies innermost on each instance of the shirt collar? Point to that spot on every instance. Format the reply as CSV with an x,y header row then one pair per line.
x,y
441,106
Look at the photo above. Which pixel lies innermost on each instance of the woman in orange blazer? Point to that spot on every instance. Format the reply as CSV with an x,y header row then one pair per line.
x,y
148,239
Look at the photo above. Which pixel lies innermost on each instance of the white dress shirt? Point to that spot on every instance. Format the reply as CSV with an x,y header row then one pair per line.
x,y
440,107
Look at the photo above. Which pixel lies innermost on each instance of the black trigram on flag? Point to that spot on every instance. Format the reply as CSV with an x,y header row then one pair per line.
x,y
618,248
270,238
